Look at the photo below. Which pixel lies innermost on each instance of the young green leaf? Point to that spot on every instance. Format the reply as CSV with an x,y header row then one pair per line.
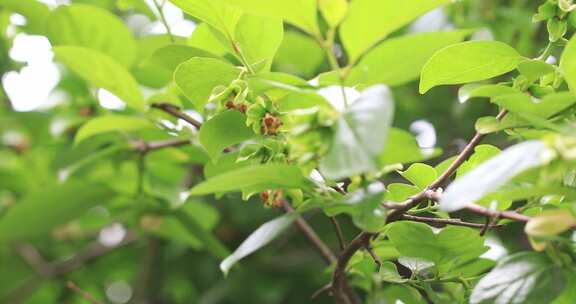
x,y
467,62
363,206
525,277
298,54
261,177
421,175
333,11
544,107
376,19
397,61
403,148
301,13
360,135
223,130
41,211
492,174
111,123
197,78
170,56
35,12
103,72
92,27
258,239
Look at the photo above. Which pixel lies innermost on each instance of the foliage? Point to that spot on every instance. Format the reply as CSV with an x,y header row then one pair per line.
x,y
273,114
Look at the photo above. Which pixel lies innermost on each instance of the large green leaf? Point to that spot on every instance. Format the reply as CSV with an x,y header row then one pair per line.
x,y
301,13
495,172
453,245
223,130
213,12
258,239
363,206
258,38
467,62
261,177
39,212
35,12
399,60
369,21
197,78
544,107
111,123
103,72
92,27
525,277
402,147
568,64
361,135
170,56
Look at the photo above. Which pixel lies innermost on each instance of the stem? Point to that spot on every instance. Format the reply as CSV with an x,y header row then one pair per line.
x,y
442,221
339,234
163,19
85,295
328,47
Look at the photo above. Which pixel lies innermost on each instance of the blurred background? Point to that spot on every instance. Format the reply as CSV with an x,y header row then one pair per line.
x,y
117,252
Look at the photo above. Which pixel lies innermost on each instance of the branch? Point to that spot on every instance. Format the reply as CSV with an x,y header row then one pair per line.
x,y
442,221
339,234
339,275
85,295
314,239
145,147
176,112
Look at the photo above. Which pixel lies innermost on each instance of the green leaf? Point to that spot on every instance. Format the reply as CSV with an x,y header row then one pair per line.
x,y
301,13
399,60
389,273
103,72
452,246
525,277
203,37
333,11
197,78
360,135
467,62
92,27
534,69
568,64
376,19
481,154
35,12
495,172
258,239
224,130
298,54
258,39
490,124
214,12
261,177
170,56
39,212
111,123
421,175
474,90
545,107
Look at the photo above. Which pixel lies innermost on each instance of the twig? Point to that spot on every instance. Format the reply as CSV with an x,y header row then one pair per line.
x,y
311,235
176,112
339,281
163,19
145,147
87,296
441,221
339,234
320,291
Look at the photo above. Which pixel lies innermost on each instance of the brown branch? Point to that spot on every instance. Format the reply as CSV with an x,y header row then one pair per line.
x,y
339,234
145,147
311,235
85,295
176,112
442,221
339,274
